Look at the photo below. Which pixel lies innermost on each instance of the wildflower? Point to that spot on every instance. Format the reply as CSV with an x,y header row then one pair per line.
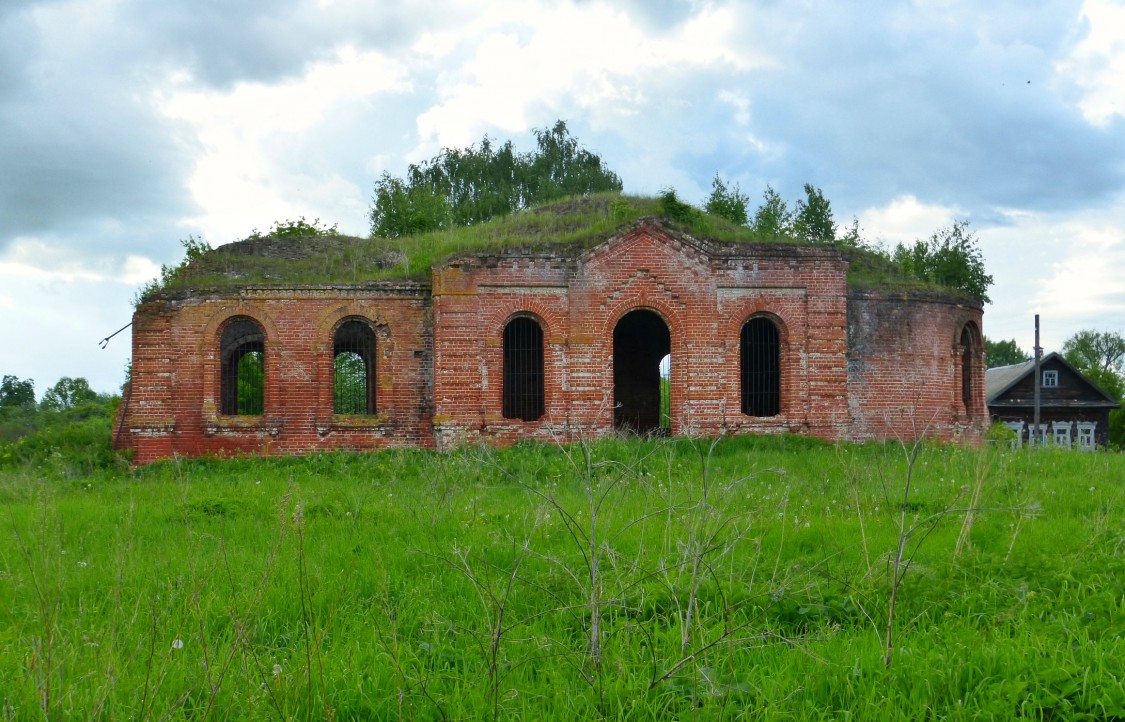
x,y
1091,488
177,644
83,564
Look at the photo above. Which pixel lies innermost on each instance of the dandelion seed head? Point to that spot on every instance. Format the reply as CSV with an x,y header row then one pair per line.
x,y
277,670
177,644
83,564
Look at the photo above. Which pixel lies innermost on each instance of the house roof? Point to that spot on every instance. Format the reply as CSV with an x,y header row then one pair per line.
x,y
998,381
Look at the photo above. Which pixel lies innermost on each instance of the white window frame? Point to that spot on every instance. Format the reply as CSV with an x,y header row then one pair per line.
x,y
1051,379
1060,434
1087,435
1018,427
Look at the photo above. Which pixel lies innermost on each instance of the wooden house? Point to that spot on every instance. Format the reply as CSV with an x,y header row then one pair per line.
x,y
1073,411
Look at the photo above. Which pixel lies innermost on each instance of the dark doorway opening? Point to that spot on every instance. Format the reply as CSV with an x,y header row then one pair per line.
x,y
641,340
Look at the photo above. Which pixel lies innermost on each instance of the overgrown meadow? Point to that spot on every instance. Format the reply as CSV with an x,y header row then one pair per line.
x,y
749,578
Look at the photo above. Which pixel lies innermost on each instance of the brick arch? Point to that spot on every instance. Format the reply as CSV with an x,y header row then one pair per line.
x,y
550,319
553,326
735,322
386,367
664,309
659,305
208,348
213,329
789,342
968,366
331,319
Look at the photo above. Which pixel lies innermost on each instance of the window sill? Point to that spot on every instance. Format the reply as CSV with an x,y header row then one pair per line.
x,y
241,424
351,422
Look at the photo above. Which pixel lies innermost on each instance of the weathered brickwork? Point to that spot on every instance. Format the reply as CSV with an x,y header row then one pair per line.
x,y
172,405
858,366
906,367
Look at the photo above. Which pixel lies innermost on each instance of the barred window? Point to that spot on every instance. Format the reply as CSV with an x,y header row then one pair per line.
x,y
760,368
242,380
523,369
353,360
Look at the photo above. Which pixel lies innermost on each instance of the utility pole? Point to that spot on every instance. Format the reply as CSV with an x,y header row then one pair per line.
x,y
1036,435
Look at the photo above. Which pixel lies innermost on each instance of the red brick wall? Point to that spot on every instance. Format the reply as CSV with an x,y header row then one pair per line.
x,y
703,294
173,403
905,366
859,366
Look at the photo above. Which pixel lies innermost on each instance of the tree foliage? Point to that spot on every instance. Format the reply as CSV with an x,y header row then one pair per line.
x,y
1102,350
299,228
460,187
194,248
1004,353
729,203
70,429
1100,356
951,257
773,218
812,218
68,394
16,393
675,209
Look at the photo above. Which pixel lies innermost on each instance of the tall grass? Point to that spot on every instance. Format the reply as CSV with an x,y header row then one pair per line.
x,y
642,579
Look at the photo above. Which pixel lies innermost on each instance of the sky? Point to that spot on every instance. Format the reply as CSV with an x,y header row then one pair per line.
x,y
129,125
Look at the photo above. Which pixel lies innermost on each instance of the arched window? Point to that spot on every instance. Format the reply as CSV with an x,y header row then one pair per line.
x,y
242,384
968,353
523,369
760,368
353,368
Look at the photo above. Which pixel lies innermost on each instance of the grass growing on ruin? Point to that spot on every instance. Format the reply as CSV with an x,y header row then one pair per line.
x,y
635,579
576,223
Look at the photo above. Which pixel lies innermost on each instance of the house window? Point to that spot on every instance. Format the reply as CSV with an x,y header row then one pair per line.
x,y
760,368
1018,427
1061,434
353,368
242,380
1050,379
1086,440
523,369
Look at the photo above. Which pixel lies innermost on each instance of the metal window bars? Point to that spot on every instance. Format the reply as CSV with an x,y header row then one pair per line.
x,y
523,395
353,368
760,368
242,368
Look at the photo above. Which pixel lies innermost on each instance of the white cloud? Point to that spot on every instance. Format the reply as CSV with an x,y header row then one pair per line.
x,y
590,56
1097,63
904,220
1067,268
245,176
138,270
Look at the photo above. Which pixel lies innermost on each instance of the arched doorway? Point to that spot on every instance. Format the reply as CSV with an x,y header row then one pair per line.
x,y
641,340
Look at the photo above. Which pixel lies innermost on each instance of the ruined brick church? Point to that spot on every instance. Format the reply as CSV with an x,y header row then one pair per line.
x,y
652,330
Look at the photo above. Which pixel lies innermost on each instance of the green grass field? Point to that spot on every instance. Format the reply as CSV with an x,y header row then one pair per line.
x,y
642,579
